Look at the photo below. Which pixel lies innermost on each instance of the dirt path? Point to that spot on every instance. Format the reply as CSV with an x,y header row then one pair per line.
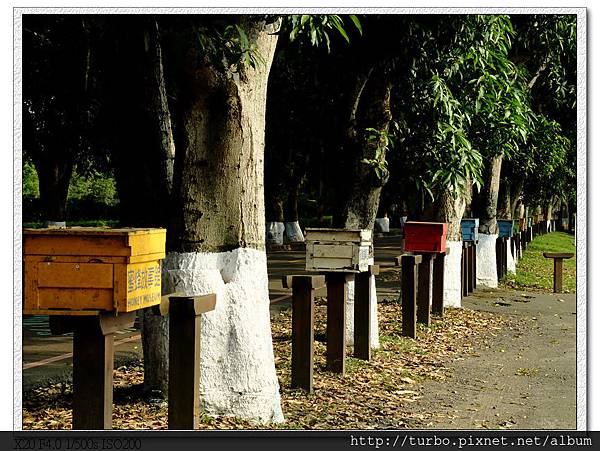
x,y
524,378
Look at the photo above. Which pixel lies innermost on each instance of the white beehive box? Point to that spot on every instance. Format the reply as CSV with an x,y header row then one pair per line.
x,y
339,250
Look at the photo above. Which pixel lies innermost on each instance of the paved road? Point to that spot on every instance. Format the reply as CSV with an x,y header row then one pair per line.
x,y
523,378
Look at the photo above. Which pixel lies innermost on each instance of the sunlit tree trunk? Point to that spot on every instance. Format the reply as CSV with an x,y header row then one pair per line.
x,y
216,241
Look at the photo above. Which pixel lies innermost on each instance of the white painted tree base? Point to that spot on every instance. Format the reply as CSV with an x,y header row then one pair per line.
x,y
237,370
487,275
274,233
293,233
452,275
374,340
382,224
511,265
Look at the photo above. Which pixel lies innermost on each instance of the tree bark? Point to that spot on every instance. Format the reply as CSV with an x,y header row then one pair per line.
x,y
362,200
488,199
144,163
504,199
54,173
155,328
216,242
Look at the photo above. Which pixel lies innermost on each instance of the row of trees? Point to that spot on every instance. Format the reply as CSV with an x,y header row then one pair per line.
x,y
446,113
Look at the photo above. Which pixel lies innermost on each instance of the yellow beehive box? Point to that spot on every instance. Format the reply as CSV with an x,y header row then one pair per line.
x,y
87,270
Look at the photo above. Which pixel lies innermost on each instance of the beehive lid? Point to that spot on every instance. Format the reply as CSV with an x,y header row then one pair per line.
x,y
341,235
100,241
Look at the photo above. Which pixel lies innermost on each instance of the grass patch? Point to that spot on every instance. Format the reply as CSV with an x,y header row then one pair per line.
x,y
536,271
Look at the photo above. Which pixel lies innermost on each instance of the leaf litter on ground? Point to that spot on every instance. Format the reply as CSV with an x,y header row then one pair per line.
x,y
371,395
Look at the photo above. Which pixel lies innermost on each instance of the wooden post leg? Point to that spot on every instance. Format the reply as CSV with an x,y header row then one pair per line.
x,y
337,296
470,257
410,272
558,270
362,313
437,301
303,323
184,364
499,257
465,271
474,265
93,363
504,256
424,289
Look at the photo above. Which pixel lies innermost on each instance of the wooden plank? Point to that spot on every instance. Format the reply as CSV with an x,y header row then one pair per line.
x,y
424,289
184,365
349,235
337,296
63,312
75,298
328,264
333,251
75,275
97,246
362,315
558,254
151,243
93,364
437,301
409,294
303,324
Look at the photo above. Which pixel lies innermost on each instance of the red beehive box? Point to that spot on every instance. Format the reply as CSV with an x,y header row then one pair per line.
x,y
425,236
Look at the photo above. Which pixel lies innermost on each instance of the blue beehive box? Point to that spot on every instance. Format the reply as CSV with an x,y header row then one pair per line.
x,y
505,227
529,221
470,229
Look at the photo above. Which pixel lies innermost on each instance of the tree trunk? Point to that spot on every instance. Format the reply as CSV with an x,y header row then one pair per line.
x,y
504,199
293,232
54,174
362,200
216,242
450,209
515,195
369,109
155,328
144,157
488,227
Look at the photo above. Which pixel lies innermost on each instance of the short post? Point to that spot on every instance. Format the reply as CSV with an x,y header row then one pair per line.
x,y
437,299
410,271
558,267
499,248
337,296
474,265
362,312
424,289
504,256
303,324
470,262
465,269
93,364
184,358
